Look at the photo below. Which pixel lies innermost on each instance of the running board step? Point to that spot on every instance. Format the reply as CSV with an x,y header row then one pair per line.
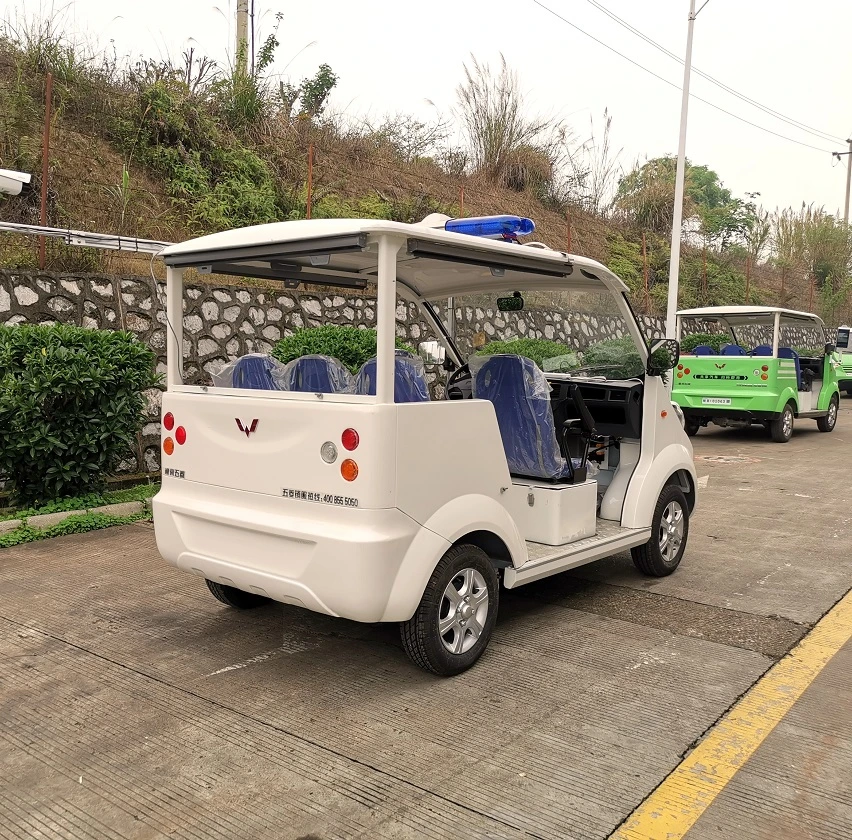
x,y
546,560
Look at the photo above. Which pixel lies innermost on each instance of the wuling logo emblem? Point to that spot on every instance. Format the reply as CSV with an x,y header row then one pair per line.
x,y
720,366
247,429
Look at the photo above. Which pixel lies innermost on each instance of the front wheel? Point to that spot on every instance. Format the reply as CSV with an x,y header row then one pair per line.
x,y
455,619
781,425
827,423
661,555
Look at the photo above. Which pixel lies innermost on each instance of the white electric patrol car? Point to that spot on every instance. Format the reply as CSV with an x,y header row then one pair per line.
x,y
361,495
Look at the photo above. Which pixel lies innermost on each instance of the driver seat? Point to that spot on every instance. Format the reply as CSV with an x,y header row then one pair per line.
x,y
520,394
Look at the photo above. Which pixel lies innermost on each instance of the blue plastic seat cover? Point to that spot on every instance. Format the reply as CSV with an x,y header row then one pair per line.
x,y
762,350
254,372
317,375
521,398
704,350
733,350
409,380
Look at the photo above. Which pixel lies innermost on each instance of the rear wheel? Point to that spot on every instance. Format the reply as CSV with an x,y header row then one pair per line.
x,y
661,555
691,425
781,426
455,619
236,598
827,423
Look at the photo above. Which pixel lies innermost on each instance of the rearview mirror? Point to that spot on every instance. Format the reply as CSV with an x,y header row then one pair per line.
x,y
515,303
432,352
663,356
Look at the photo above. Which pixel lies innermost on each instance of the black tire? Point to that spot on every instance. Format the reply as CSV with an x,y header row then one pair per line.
x,y
421,637
827,423
236,598
649,558
691,425
781,425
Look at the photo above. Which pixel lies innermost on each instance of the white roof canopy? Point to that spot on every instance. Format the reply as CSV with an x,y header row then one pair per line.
x,y
740,315
431,262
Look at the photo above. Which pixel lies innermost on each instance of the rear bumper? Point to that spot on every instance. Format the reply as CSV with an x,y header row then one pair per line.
x,y
342,562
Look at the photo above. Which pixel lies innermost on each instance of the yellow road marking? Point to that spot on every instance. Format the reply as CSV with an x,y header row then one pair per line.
x,y
673,808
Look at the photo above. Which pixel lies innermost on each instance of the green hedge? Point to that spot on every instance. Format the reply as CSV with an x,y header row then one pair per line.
x,y
715,340
71,404
350,345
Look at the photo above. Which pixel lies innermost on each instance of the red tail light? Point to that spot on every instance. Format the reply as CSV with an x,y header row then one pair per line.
x,y
169,421
180,435
350,439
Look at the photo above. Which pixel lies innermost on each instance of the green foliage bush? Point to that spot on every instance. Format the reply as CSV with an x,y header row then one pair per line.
x,y
619,355
537,349
715,340
79,524
350,345
71,404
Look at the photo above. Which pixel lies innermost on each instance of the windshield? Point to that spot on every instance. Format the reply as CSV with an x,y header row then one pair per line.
x,y
562,332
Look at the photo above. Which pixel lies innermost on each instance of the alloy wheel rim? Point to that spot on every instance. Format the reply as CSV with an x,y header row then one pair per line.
x,y
463,611
671,531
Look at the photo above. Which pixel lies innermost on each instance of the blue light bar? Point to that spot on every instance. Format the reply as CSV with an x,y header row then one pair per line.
x,y
499,227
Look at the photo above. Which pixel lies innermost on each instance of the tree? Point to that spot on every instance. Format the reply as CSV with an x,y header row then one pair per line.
x,y
647,195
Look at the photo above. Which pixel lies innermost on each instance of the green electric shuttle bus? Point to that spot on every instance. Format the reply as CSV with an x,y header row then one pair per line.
x,y
759,365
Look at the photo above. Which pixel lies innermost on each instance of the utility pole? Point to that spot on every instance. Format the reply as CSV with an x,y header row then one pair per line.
x,y
241,53
838,155
677,221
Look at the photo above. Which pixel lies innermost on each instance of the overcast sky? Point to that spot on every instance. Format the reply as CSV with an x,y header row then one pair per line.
x,y
392,55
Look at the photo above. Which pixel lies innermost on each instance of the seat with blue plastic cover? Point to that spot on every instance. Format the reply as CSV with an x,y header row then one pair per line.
x,y
254,371
762,350
733,350
520,395
790,353
317,375
703,350
409,380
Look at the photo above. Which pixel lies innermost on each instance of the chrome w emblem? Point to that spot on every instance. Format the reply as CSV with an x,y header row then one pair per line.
x,y
720,366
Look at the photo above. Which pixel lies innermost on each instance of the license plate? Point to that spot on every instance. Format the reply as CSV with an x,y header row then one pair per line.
x,y
715,401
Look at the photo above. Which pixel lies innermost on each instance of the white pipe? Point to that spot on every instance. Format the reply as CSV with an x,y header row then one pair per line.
x,y
677,221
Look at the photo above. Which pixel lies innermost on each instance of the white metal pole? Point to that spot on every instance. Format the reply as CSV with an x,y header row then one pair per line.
x,y
848,183
386,320
174,327
677,221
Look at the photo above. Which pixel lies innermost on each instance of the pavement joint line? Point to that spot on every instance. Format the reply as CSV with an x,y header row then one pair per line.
x,y
406,782
684,795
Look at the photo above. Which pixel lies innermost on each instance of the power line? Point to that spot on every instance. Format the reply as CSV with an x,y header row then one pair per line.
x,y
823,135
675,86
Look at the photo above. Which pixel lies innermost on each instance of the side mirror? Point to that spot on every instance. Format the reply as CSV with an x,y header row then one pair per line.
x,y
829,349
663,356
432,352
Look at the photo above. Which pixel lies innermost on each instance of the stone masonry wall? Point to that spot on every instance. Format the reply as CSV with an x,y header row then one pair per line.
x,y
224,322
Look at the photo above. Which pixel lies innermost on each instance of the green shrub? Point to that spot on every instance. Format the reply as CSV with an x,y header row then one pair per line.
x,y
715,340
71,404
349,345
619,355
537,349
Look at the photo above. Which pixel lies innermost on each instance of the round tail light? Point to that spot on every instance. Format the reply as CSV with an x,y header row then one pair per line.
x,y
169,421
180,435
168,446
349,470
350,439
